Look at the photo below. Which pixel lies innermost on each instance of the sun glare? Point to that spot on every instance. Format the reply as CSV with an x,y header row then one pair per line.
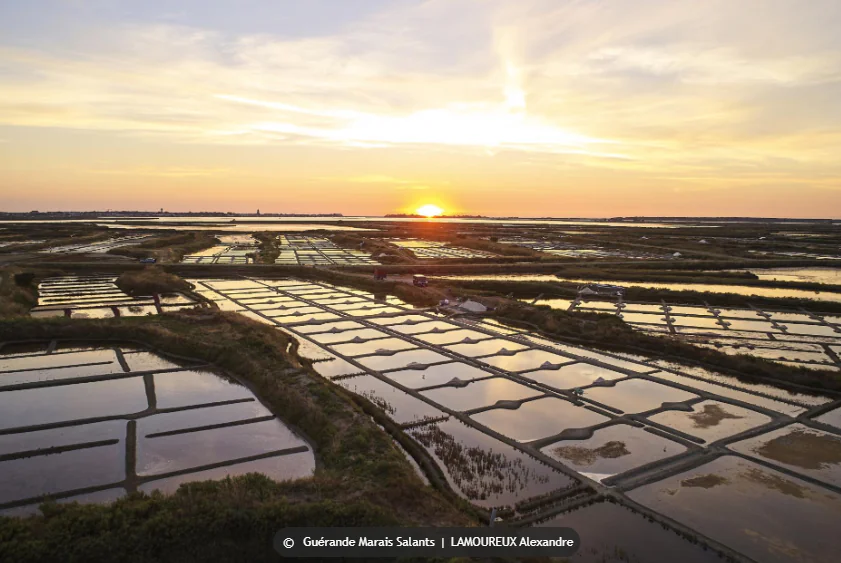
x,y
429,210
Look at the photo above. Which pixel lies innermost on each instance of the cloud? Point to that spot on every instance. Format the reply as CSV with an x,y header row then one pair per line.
x,y
651,88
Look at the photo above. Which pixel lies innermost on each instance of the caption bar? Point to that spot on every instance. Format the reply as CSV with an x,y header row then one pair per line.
x,y
426,542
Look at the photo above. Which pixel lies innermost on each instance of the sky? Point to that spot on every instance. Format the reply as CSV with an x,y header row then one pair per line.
x,y
533,108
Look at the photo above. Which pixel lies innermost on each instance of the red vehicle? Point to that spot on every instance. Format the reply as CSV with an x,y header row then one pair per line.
x,y
419,280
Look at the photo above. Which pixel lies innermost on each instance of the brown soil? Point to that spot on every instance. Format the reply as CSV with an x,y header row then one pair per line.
x,y
150,280
580,455
711,416
803,448
775,483
704,481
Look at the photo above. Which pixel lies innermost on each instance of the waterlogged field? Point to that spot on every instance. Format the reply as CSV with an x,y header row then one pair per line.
x,y
232,249
745,290
97,296
761,512
99,247
830,276
793,337
578,250
90,424
433,250
303,250
611,533
515,420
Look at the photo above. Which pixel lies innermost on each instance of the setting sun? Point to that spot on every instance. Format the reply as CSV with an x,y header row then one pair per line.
x,y
429,210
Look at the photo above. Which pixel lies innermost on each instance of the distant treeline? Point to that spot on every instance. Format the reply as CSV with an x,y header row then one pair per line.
x,y
146,214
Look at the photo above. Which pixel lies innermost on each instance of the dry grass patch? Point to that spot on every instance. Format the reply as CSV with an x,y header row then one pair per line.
x,y
149,281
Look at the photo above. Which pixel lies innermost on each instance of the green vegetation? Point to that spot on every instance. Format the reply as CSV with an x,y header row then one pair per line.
x,y
18,292
229,520
362,479
268,249
149,281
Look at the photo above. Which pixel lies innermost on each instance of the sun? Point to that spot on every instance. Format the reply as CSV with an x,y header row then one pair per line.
x,y
429,210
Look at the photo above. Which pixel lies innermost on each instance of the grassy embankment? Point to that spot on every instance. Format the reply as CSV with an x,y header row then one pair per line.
x,y
151,280
362,479
641,270
170,248
267,246
18,292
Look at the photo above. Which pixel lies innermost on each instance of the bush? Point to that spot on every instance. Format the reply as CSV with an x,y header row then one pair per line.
x,y
149,281
24,279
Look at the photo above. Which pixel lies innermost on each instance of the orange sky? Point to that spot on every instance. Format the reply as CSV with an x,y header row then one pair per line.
x,y
534,108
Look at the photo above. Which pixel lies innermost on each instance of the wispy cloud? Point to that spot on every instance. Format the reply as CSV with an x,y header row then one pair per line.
x,y
623,92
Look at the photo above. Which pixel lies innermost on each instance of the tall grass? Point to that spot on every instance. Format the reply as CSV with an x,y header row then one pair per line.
x,y
18,292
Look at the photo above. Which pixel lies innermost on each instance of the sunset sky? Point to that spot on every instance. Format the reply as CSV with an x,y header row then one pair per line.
x,y
581,108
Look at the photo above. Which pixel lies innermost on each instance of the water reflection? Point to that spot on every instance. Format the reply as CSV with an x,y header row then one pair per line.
x,y
613,450
484,470
538,419
740,504
62,436
611,533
